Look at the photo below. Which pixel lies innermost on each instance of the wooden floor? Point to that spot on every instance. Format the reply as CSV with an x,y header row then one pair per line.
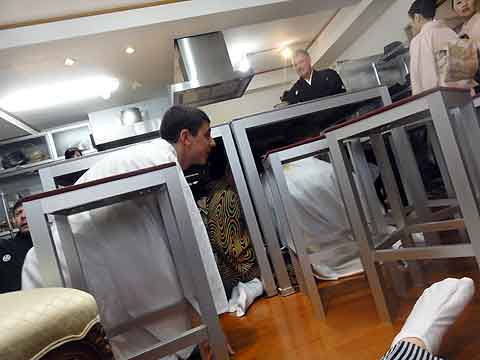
x,y
284,328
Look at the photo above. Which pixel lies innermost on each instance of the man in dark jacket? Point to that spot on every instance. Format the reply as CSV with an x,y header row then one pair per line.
x,y
312,84
13,252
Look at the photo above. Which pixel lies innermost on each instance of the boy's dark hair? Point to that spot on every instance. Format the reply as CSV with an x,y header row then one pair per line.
x,y
180,117
17,205
70,152
426,8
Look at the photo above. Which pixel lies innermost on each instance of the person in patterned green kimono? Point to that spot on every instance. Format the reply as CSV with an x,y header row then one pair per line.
x,y
228,234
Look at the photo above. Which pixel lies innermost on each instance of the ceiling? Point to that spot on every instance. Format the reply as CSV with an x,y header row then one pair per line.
x,y
17,12
257,32
13,127
262,42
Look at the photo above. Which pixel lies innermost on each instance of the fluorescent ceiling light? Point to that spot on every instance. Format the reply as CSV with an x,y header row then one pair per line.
x,y
244,65
287,53
61,93
129,50
286,43
69,62
239,51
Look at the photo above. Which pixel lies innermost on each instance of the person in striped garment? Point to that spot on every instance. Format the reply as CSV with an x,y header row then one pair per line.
x,y
433,314
229,236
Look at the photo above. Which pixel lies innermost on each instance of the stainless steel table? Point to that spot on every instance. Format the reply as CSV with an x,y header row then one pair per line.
x,y
288,220
164,183
287,217
223,133
455,122
243,127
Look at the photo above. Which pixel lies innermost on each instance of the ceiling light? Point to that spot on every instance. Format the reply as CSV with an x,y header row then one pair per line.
x,y
284,44
48,96
129,50
239,50
287,53
136,85
70,61
244,65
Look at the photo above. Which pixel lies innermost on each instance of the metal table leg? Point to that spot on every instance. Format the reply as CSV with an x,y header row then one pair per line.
x,y
437,151
460,178
264,214
359,224
395,201
412,178
281,192
249,213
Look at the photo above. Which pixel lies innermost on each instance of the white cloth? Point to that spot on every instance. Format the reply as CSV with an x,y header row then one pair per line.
x,y
243,295
423,69
435,311
129,283
31,278
322,219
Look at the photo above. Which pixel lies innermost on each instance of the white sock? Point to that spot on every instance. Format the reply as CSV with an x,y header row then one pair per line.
x,y
243,295
436,310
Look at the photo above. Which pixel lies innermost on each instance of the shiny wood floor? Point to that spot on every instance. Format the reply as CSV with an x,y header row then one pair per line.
x,y
283,328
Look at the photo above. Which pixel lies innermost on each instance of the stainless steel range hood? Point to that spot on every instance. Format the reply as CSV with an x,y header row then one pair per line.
x,y
207,72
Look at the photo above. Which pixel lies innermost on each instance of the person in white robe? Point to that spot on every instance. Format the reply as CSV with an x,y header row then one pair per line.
x,y
143,279
430,36
322,219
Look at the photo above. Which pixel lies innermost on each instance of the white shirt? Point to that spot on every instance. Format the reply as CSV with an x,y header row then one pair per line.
x,y
309,80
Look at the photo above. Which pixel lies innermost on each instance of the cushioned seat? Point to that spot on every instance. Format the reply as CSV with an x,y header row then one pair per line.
x,y
51,323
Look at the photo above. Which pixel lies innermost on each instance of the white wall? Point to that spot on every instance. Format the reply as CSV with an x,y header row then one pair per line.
x,y
387,28
106,125
251,103
344,29
262,95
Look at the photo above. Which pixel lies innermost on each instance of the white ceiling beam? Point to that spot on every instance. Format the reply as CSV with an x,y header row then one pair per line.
x,y
348,25
96,24
16,122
